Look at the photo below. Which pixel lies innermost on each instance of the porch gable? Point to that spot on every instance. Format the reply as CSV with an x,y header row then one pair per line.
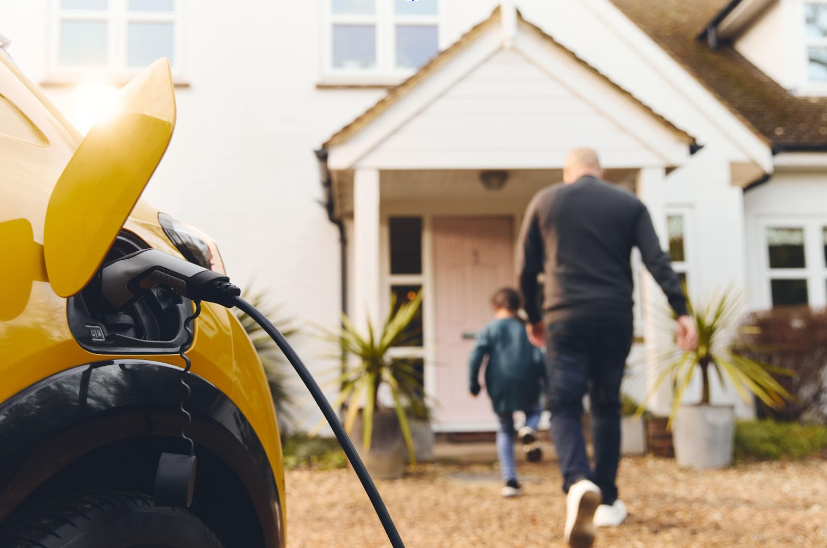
x,y
497,101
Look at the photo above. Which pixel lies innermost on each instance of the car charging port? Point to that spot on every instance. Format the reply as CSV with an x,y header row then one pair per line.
x,y
153,324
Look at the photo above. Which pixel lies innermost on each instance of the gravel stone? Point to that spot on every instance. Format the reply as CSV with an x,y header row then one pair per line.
x,y
460,506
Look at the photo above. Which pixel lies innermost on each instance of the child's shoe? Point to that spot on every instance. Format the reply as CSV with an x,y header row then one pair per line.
x,y
527,435
512,489
533,452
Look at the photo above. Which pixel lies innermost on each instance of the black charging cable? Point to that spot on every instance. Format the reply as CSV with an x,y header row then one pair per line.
x,y
330,415
125,280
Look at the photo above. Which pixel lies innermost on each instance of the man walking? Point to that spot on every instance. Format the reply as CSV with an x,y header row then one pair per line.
x,y
581,235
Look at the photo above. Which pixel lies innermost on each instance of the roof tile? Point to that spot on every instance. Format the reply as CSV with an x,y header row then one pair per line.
x,y
783,119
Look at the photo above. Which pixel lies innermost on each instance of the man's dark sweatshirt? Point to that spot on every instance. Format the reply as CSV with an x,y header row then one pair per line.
x,y
581,235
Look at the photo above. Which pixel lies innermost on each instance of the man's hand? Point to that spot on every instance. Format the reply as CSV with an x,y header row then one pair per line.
x,y
536,334
687,333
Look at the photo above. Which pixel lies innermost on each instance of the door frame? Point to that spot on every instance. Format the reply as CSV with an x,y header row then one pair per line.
x,y
428,211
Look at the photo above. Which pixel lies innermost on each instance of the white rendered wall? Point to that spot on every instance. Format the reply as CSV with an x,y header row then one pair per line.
x,y
765,45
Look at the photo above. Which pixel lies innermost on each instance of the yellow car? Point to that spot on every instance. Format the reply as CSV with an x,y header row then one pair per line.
x,y
90,395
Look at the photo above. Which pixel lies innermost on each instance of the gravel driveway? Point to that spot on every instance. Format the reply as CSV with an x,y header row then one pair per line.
x,y
454,506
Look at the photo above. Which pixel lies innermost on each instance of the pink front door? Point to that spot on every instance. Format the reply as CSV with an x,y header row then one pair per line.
x,y
473,257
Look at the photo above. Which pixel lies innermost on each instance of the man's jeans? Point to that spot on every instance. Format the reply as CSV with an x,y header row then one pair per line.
x,y
587,356
505,441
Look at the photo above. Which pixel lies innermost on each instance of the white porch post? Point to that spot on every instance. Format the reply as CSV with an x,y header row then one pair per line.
x,y
366,248
651,189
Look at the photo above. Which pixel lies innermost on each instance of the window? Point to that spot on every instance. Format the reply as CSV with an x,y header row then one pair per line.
x,y
406,245
406,276
381,36
676,228
114,36
786,251
815,35
403,294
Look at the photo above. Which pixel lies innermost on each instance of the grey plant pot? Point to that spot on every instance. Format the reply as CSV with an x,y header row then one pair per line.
x,y
423,439
632,436
387,457
704,436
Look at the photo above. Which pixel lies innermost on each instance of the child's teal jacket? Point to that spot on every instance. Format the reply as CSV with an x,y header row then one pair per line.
x,y
516,369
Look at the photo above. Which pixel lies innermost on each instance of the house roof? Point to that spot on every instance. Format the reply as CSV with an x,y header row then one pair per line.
x,y
786,121
396,93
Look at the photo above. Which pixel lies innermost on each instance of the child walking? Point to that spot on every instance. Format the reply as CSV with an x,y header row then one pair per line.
x,y
513,378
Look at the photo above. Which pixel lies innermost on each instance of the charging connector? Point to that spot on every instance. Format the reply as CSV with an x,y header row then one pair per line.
x,y
125,280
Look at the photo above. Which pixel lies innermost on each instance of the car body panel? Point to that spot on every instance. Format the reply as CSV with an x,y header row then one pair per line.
x,y
106,175
35,339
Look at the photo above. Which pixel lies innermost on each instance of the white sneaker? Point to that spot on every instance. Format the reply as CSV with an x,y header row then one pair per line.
x,y
610,515
581,503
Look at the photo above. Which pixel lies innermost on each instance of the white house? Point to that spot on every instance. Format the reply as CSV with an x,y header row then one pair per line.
x,y
341,151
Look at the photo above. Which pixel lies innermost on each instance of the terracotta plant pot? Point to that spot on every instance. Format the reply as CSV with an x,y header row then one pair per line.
x,y
658,437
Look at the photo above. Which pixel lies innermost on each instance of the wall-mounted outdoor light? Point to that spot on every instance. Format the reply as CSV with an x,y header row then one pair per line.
x,y
493,180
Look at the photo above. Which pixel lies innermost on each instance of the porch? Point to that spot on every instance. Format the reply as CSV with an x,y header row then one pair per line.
x,y
431,184
453,234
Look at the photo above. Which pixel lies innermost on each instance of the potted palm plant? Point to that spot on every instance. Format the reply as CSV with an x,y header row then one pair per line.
x,y
382,433
703,433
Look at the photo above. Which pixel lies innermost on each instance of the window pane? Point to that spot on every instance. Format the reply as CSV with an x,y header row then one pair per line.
x,y
415,45
152,5
816,20
406,245
360,7
786,247
676,243
817,71
85,4
419,7
83,43
824,236
354,46
404,294
789,292
148,42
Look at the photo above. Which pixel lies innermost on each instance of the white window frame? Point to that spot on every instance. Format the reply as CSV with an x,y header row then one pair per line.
x,y
801,48
118,17
385,19
815,269
686,266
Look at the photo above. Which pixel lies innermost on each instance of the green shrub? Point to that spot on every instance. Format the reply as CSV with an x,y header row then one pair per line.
x,y
304,451
769,440
628,405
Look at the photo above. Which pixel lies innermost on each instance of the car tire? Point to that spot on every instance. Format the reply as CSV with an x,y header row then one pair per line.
x,y
108,519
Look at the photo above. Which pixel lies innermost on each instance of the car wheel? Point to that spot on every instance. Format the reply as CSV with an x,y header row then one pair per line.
x,y
108,519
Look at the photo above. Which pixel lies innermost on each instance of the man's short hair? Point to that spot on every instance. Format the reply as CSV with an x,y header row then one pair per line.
x,y
507,298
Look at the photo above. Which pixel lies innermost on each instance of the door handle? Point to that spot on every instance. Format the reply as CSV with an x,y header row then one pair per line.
x,y
469,335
